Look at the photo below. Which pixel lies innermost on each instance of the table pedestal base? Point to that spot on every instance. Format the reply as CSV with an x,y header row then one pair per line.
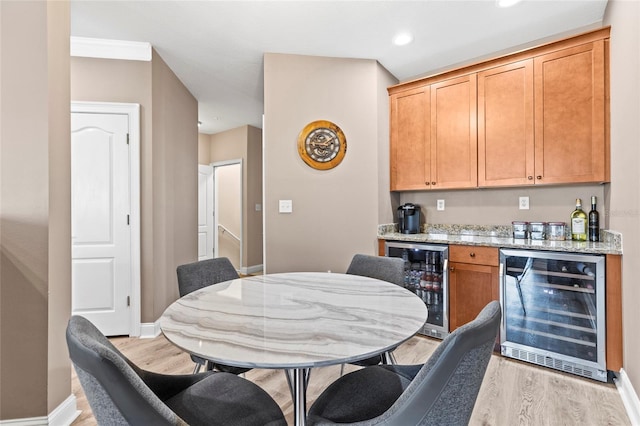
x,y
297,379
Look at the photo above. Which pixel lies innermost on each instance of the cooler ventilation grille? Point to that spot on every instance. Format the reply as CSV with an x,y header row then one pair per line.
x,y
431,332
555,363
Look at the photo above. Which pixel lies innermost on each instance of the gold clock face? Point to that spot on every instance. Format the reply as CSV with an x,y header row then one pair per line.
x,y
322,145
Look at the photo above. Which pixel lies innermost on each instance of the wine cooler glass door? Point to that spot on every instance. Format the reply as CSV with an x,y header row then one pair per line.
x,y
554,304
425,274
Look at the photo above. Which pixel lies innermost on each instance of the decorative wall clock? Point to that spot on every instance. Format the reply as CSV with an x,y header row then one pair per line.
x,y
322,145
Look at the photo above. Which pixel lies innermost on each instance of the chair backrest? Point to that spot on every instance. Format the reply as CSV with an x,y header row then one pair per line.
x,y
389,269
197,275
113,385
446,388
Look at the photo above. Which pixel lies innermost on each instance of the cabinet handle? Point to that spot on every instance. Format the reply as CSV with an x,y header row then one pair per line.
x,y
433,183
530,177
426,183
538,177
452,269
472,254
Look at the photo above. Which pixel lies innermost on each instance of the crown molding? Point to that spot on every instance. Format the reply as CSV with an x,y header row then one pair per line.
x,y
110,49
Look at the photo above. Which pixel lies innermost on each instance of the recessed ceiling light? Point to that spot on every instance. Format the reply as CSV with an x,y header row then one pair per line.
x,y
402,39
506,3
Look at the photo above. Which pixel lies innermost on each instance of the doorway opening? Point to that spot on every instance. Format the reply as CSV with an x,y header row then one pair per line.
x,y
228,208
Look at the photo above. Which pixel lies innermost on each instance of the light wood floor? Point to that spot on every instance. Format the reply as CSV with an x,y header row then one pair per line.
x,y
513,393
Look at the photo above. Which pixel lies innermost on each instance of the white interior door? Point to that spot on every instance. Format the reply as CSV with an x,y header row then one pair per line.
x,y
101,237
205,212
227,179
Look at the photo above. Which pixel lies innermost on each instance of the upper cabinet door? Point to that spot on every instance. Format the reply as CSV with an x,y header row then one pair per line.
x,y
454,140
505,125
570,140
410,136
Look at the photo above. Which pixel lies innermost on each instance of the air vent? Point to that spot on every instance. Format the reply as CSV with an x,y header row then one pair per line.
x,y
554,363
431,332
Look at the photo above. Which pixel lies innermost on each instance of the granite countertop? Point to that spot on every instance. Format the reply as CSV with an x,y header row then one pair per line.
x,y
499,236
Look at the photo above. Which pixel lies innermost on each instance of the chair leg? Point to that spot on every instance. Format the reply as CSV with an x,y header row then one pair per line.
x,y
341,369
196,369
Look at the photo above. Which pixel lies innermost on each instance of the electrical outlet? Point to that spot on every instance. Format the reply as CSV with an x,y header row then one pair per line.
x,y
285,206
440,205
523,203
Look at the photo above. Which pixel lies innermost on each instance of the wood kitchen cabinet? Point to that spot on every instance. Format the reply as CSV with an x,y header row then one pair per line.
x,y
454,139
614,311
473,282
571,144
535,117
542,120
410,139
505,125
433,136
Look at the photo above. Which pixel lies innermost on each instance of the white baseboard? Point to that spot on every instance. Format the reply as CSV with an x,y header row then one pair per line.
x,y
63,415
251,269
629,397
29,421
149,330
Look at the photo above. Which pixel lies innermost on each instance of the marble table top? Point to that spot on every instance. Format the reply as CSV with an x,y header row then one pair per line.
x,y
293,320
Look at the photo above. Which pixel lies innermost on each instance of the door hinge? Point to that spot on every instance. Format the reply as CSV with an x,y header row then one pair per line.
x,y
128,300
127,138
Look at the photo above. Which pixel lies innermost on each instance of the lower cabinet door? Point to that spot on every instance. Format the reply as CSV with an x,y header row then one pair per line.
x,y
471,288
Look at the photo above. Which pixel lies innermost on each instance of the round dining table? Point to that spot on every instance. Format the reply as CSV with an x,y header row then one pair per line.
x,y
294,321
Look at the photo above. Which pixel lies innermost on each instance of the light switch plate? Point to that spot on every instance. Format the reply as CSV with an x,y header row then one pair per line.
x,y
523,203
286,206
440,205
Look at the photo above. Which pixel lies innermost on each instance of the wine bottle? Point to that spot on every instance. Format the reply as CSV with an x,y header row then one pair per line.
x,y
594,222
578,223
585,269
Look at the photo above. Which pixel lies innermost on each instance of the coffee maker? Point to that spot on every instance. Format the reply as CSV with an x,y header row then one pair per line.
x,y
409,218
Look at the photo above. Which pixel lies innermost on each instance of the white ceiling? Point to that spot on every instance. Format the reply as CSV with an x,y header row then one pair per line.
x,y
216,47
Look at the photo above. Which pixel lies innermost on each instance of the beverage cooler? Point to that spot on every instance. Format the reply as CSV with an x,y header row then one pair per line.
x,y
425,274
554,310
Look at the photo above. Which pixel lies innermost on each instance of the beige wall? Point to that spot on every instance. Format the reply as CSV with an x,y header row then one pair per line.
x,y
58,23
335,212
387,201
500,206
624,196
35,236
244,143
175,182
204,148
108,80
253,250
168,159
228,191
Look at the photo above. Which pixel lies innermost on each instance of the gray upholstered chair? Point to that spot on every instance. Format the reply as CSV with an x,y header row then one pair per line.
x,y
443,391
120,393
197,275
389,269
